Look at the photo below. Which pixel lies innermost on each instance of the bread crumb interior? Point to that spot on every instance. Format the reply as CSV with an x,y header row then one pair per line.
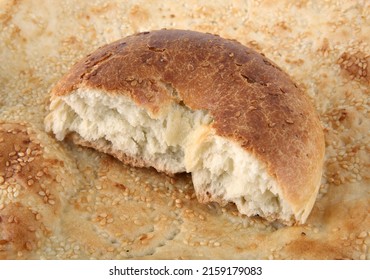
x,y
176,140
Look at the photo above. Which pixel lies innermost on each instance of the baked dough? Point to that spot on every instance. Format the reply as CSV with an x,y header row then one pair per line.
x,y
186,101
106,210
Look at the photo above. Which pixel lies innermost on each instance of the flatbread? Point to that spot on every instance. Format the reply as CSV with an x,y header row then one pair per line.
x,y
74,203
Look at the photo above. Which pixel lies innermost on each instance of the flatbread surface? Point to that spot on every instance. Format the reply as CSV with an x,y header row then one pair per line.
x,y
60,201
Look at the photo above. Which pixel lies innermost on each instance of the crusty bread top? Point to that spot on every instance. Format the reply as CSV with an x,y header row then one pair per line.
x,y
251,100
38,45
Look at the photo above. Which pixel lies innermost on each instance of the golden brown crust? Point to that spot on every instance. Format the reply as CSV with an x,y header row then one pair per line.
x,y
251,100
119,212
115,211
23,192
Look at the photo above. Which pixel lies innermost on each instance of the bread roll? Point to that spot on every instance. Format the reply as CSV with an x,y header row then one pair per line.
x,y
185,101
108,210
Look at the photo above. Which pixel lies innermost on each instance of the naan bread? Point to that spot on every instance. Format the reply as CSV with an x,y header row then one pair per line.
x,y
60,201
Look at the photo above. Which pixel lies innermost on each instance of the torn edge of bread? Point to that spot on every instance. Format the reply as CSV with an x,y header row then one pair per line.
x,y
186,101
176,140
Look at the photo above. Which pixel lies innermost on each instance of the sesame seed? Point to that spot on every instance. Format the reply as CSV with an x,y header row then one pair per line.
x,y
31,228
359,241
347,243
363,234
2,179
30,182
289,121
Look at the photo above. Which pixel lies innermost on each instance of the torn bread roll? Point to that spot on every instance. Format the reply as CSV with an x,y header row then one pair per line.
x,y
184,101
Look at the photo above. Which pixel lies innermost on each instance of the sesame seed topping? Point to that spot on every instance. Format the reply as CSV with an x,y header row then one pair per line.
x,y
343,133
363,234
17,148
289,121
137,222
31,228
359,241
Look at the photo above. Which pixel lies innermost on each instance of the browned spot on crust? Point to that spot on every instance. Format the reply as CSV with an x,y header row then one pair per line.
x,y
355,65
15,234
305,248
